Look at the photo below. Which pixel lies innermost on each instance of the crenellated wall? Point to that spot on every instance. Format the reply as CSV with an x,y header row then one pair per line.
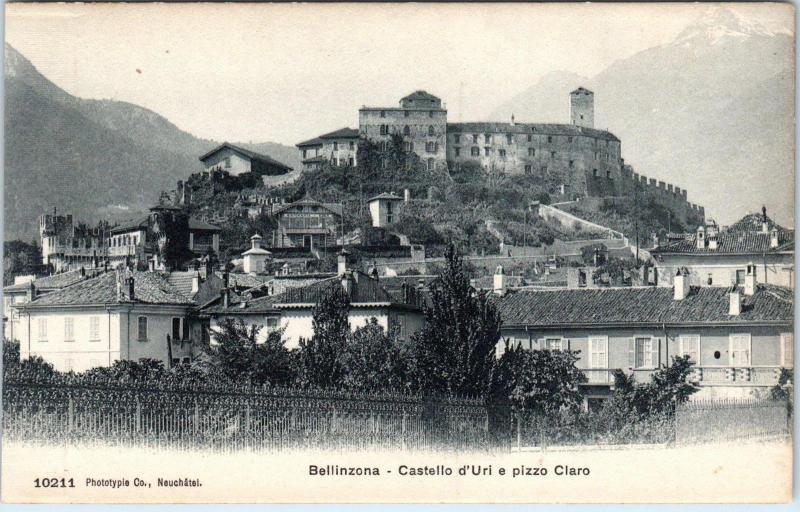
x,y
666,194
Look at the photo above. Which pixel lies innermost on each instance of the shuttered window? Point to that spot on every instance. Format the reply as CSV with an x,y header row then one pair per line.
x,y
42,329
69,328
643,352
176,328
142,328
787,350
555,344
598,352
690,346
740,350
94,328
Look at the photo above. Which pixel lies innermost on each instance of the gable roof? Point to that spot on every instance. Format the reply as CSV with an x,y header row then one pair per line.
x,y
637,306
199,225
420,95
341,133
752,222
335,208
55,281
530,128
386,195
246,152
731,242
149,288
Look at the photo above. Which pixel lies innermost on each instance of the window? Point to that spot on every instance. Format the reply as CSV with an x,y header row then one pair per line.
x,y
581,278
552,154
509,139
569,139
549,139
430,164
475,138
383,113
406,130
740,350
544,170
187,360
142,328
528,168
185,330
598,352
430,131
488,138
571,164
475,151
227,162
645,352
335,146
430,147
406,113
608,175
305,154
384,129
690,346
457,151
430,114
710,279
740,277
352,145
530,138
787,350
487,151
41,325
272,324
69,328
351,161
554,344
457,138
531,152
594,173
69,365
502,152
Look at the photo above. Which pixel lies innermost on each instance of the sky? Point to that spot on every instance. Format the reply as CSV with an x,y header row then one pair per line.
x,y
286,73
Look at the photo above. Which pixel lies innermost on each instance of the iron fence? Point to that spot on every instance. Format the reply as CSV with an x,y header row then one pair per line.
x,y
701,421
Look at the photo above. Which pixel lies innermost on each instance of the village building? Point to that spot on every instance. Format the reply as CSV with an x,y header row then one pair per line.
x,y
737,337
236,160
307,223
118,315
384,209
721,257
256,258
67,246
292,310
338,148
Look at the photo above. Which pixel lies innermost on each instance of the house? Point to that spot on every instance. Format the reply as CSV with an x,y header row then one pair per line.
x,y
339,148
738,337
307,223
117,315
716,257
384,209
27,287
293,309
256,258
237,160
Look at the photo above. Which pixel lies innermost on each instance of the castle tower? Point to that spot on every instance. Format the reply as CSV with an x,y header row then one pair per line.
x,y
581,102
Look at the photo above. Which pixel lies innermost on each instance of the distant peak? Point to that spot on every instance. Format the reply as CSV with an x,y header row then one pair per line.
x,y
14,61
718,23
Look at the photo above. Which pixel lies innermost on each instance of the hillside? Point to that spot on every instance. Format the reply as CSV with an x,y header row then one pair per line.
x,y
90,157
710,111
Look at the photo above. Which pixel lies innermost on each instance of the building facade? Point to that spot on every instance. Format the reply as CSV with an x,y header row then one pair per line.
x,y
237,160
67,246
307,223
338,148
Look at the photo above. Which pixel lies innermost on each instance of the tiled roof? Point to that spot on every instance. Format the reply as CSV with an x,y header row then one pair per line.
x,y
752,222
149,288
335,208
420,95
651,305
341,133
246,152
199,225
736,242
182,281
386,195
533,128
56,281
247,280
316,141
131,225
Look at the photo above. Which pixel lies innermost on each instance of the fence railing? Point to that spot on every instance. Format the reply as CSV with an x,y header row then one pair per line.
x,y
701,421
232,421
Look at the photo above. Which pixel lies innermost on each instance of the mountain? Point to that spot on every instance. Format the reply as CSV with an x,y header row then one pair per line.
x,y
92,158
711,111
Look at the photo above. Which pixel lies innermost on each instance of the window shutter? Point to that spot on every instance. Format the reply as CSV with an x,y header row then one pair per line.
x,y
566,344
541,344
656,352
632,352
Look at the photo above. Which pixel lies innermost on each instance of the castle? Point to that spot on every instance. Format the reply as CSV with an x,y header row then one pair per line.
x,y
572,160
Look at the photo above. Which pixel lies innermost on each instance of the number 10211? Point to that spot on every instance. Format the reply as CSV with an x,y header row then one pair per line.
x,y
54,482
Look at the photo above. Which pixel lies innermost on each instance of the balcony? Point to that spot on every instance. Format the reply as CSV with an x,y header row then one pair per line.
x,y
735,376
599,376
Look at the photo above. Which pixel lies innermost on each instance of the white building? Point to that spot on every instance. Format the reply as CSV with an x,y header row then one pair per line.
x,y
237,160
118,315
384,209
256,258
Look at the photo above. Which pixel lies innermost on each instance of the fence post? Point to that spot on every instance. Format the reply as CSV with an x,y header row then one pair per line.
x,y
247,418
333,420
70,414
138,418
196,417
519,433
403,429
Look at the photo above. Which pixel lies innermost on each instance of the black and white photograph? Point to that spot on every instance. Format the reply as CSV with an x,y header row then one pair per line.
x,y
398,253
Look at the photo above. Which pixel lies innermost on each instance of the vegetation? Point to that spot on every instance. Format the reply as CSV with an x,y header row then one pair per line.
x,y
20,258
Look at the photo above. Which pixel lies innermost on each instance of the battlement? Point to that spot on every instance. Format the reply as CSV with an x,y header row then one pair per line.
x,y
667,194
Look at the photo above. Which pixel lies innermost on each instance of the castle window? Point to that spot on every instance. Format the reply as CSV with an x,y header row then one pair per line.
x,y
430,130
430,114
475,138
594,173
552,154
384,129
502,153
457,151
383,113
549,138
572,163
487,151
430,164
531,152
350,161
430,147
475,151
228,162
335,146
544,170
528,169
569,139
304,154
406,130
457,138
488,138
352,145
406,113
608,175
530,138
509,139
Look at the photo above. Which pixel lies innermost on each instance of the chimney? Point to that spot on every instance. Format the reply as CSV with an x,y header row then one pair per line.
x,y
83,272
406,196
151,265
346,283
31,293
226,297
773,238
226,277
701,237
196,282
750,279
499,287
712,242
735,301
341,263
131,289
681,284
764,221
255,241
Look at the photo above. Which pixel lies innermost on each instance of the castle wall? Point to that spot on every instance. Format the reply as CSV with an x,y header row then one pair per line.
x,y
431,149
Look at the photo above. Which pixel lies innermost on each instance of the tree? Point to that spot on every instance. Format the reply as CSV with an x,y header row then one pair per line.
x,y
543,381
374,360
33,368
238,356
125,370
321,359
454,351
